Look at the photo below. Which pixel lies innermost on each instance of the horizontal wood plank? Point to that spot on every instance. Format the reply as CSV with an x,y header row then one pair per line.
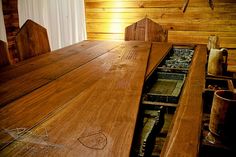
x,y
151,4
216,1
231,61
164,15
107,19
190,9
226,39
119,27
159,20
16,88
16,70
107,36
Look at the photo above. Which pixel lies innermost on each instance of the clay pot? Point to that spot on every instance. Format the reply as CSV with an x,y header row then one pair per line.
x,y
223,115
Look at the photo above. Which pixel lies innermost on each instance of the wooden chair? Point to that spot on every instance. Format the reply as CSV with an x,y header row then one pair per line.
x,y
32,40
4,54
146,30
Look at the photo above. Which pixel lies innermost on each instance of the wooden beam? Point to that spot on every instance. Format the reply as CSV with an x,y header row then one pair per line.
x,y
158,51
183,139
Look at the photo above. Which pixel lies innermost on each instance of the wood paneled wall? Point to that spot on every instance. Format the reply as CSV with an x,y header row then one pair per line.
x,y
107,19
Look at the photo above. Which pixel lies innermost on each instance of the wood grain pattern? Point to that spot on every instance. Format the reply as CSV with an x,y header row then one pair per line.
x,y
108,19
42,103
22,85
158,51
101,120
178,26
226,39
184,137
146,30
31,64
32,40
231,61
92,109
4,54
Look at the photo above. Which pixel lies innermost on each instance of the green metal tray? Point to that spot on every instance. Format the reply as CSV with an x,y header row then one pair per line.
x,y
167,87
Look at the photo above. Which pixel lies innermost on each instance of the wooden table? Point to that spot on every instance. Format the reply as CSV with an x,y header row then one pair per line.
x,y
82,100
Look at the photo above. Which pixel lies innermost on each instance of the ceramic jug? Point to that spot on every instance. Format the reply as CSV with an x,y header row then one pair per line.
x,y
216,62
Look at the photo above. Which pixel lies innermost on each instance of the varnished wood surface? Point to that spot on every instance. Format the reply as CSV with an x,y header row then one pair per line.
x,y
4,54
32,40
92,109
184,136
98,99
158,51
26,83
21,68
146,30
231,61
38,105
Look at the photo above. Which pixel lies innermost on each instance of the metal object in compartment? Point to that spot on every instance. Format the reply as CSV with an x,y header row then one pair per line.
x,y
178,60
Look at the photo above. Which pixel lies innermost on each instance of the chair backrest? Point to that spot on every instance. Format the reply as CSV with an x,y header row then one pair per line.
x,y
32,40
146,30
4,54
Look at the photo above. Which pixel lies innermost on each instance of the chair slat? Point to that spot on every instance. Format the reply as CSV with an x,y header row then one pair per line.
x,y
4,54
32,40
146,30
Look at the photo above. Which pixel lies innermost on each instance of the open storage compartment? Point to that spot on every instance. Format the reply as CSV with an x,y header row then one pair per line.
x,y
178,60
165,84
166,88
162,91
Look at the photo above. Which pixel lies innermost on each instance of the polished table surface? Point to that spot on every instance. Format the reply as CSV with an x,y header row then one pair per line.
x,y
82,100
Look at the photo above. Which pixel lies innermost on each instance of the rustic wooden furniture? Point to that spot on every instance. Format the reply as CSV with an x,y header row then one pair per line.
x,y
32,40
83,100
146,30
184,136
4,54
